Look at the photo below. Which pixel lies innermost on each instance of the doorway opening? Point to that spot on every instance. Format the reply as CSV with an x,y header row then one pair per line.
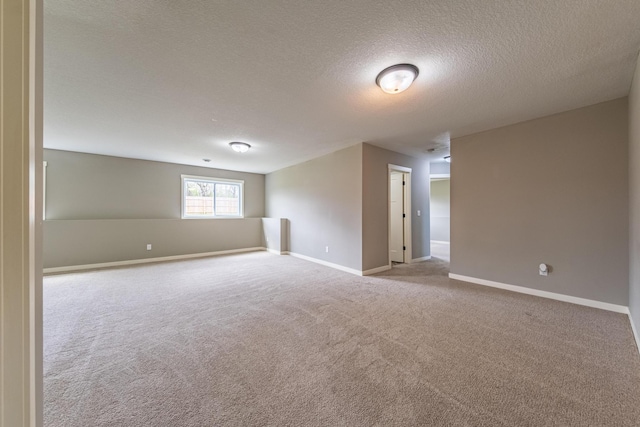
x,y
399,211
440,220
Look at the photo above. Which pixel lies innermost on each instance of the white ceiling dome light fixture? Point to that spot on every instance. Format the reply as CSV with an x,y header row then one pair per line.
x,y
397,78
240,147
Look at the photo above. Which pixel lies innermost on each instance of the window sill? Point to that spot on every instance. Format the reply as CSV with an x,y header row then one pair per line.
x,y
213,217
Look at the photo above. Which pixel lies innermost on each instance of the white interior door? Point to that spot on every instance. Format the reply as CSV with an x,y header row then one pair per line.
x,y
396,211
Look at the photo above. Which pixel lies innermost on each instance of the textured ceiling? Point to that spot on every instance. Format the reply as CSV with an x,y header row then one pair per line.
x,y
176,80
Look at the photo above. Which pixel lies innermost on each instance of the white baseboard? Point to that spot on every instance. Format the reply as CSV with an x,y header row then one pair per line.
x,y
376,270
635,332
71,268
327,263
424,258
442,242
543,294
341,267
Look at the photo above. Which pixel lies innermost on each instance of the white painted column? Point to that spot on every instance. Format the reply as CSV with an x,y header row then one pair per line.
x,y
20,213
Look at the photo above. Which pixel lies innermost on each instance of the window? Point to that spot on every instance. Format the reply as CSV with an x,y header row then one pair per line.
x,y
211,197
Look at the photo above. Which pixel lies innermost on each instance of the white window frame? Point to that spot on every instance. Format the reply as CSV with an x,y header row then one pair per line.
x,y
212,180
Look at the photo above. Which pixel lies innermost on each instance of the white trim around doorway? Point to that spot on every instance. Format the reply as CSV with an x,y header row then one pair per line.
x,y
407,209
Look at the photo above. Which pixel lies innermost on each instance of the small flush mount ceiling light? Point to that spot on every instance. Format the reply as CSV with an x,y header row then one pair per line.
x,y
447,159
240,147
397,78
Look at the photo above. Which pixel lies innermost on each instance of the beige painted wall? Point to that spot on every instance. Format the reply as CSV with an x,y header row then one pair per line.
x,y
440,210
81,242
341,201
20,214
275,234
634,199
552,190
89,186
375,211
322,199
105,209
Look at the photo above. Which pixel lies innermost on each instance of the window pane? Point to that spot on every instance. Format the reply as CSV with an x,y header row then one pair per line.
x,y
227,199
198,198
205,197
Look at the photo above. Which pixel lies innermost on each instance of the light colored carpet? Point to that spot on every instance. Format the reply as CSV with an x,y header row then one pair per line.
x,y
265,340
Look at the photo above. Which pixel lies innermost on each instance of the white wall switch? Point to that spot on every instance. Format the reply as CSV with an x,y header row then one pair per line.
x,y
418,212
326,249
148,246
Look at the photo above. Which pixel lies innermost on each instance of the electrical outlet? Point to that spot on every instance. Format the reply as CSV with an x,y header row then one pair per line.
x,y
148,246
543,269
419,212
326,249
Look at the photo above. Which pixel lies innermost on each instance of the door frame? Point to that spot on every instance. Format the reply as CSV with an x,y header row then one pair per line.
x,y
407,253
21,345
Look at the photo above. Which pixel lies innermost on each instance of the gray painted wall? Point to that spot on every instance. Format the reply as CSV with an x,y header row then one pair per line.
x,y
80,242
551,190
106,209
634,199
90,186
322,199
275,234
375,218
440,168
440,210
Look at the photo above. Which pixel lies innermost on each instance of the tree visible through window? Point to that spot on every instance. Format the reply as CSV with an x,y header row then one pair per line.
x,y
210,197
